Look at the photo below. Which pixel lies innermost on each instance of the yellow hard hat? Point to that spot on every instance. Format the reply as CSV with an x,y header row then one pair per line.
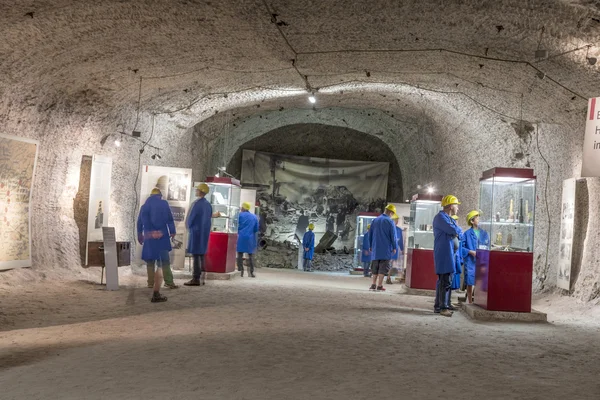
x,y
155,191
203,187
246,206
455,217
472,215
448,200
368,226
395,216
311,226
391,207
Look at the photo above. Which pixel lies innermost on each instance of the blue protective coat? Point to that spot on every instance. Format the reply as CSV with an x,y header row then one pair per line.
x,y
247,228
382,238
471,242
308,241
365,255
155,215
459,256
198,224
400,243
444,230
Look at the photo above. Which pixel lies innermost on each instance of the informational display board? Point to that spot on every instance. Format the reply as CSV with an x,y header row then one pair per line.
x,y
175,185
591,143
99,204
110,258
565,247
18,158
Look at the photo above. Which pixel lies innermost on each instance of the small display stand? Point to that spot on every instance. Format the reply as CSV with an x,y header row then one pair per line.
x,y
420,271
224,197
363,220
503,275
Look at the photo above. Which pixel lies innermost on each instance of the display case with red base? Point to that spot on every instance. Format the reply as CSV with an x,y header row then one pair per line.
x,y
504,266
363,220
503,280
224,196
221,254
420,271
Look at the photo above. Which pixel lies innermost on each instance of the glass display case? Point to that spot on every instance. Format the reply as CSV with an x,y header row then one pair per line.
x,y
420,228
224,196
363,220
504,265
420,271
507,207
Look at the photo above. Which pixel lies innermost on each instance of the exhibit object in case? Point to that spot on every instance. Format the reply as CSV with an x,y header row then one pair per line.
x,y
503,274
224,197
363,220
420,271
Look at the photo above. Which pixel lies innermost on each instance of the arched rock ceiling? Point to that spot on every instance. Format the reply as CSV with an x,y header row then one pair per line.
x,y
199,57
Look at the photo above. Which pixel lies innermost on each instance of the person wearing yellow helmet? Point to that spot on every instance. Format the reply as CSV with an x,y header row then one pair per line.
x,y
154,226
445,230
365,256
308,244
382,245
475,238
198,223
246,243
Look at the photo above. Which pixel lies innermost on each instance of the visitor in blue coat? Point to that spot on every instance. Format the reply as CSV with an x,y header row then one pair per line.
x,y
474,238
308,244
445,230
382,246
155,226
198,223
398,258
246,243
365,255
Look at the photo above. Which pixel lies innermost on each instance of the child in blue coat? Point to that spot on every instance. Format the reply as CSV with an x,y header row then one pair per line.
x,y
474,238
308,243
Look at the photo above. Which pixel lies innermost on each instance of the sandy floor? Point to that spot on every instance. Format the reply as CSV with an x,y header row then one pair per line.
x,y
284,335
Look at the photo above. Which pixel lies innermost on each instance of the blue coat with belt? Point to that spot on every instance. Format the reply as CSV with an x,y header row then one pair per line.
x,y
444,231
308,241
365,255
472,243
382,238
247,229
198,224
155,224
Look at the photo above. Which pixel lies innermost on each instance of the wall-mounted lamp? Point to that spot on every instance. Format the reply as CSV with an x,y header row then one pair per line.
x,y
312,99
590,60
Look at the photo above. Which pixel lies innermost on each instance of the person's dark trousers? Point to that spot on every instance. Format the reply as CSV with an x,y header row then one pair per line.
x,y
198,266
441,292
366,268
240,262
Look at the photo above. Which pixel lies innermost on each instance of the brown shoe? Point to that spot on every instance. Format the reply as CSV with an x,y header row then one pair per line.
x,y
388,281
171,286
446,313
192,282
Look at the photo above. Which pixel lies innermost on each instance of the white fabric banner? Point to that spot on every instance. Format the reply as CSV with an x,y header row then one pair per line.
x,y
591,142
99,204
18,157
565,247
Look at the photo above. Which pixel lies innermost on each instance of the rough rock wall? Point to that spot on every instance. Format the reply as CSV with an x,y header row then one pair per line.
x,y
65,135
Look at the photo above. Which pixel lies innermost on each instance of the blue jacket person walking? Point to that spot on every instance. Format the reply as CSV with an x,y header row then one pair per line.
x,y
246,243
308,245
382,245
155,226
198,224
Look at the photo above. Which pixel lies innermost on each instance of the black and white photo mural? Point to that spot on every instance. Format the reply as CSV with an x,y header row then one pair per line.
x,y
294,191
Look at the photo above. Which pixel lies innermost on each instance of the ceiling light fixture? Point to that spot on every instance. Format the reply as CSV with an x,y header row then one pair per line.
x,y
117,142
430,189
312,99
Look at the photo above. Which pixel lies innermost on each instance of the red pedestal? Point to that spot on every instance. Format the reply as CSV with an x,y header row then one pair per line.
x,y
221,254
420,271
503,280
